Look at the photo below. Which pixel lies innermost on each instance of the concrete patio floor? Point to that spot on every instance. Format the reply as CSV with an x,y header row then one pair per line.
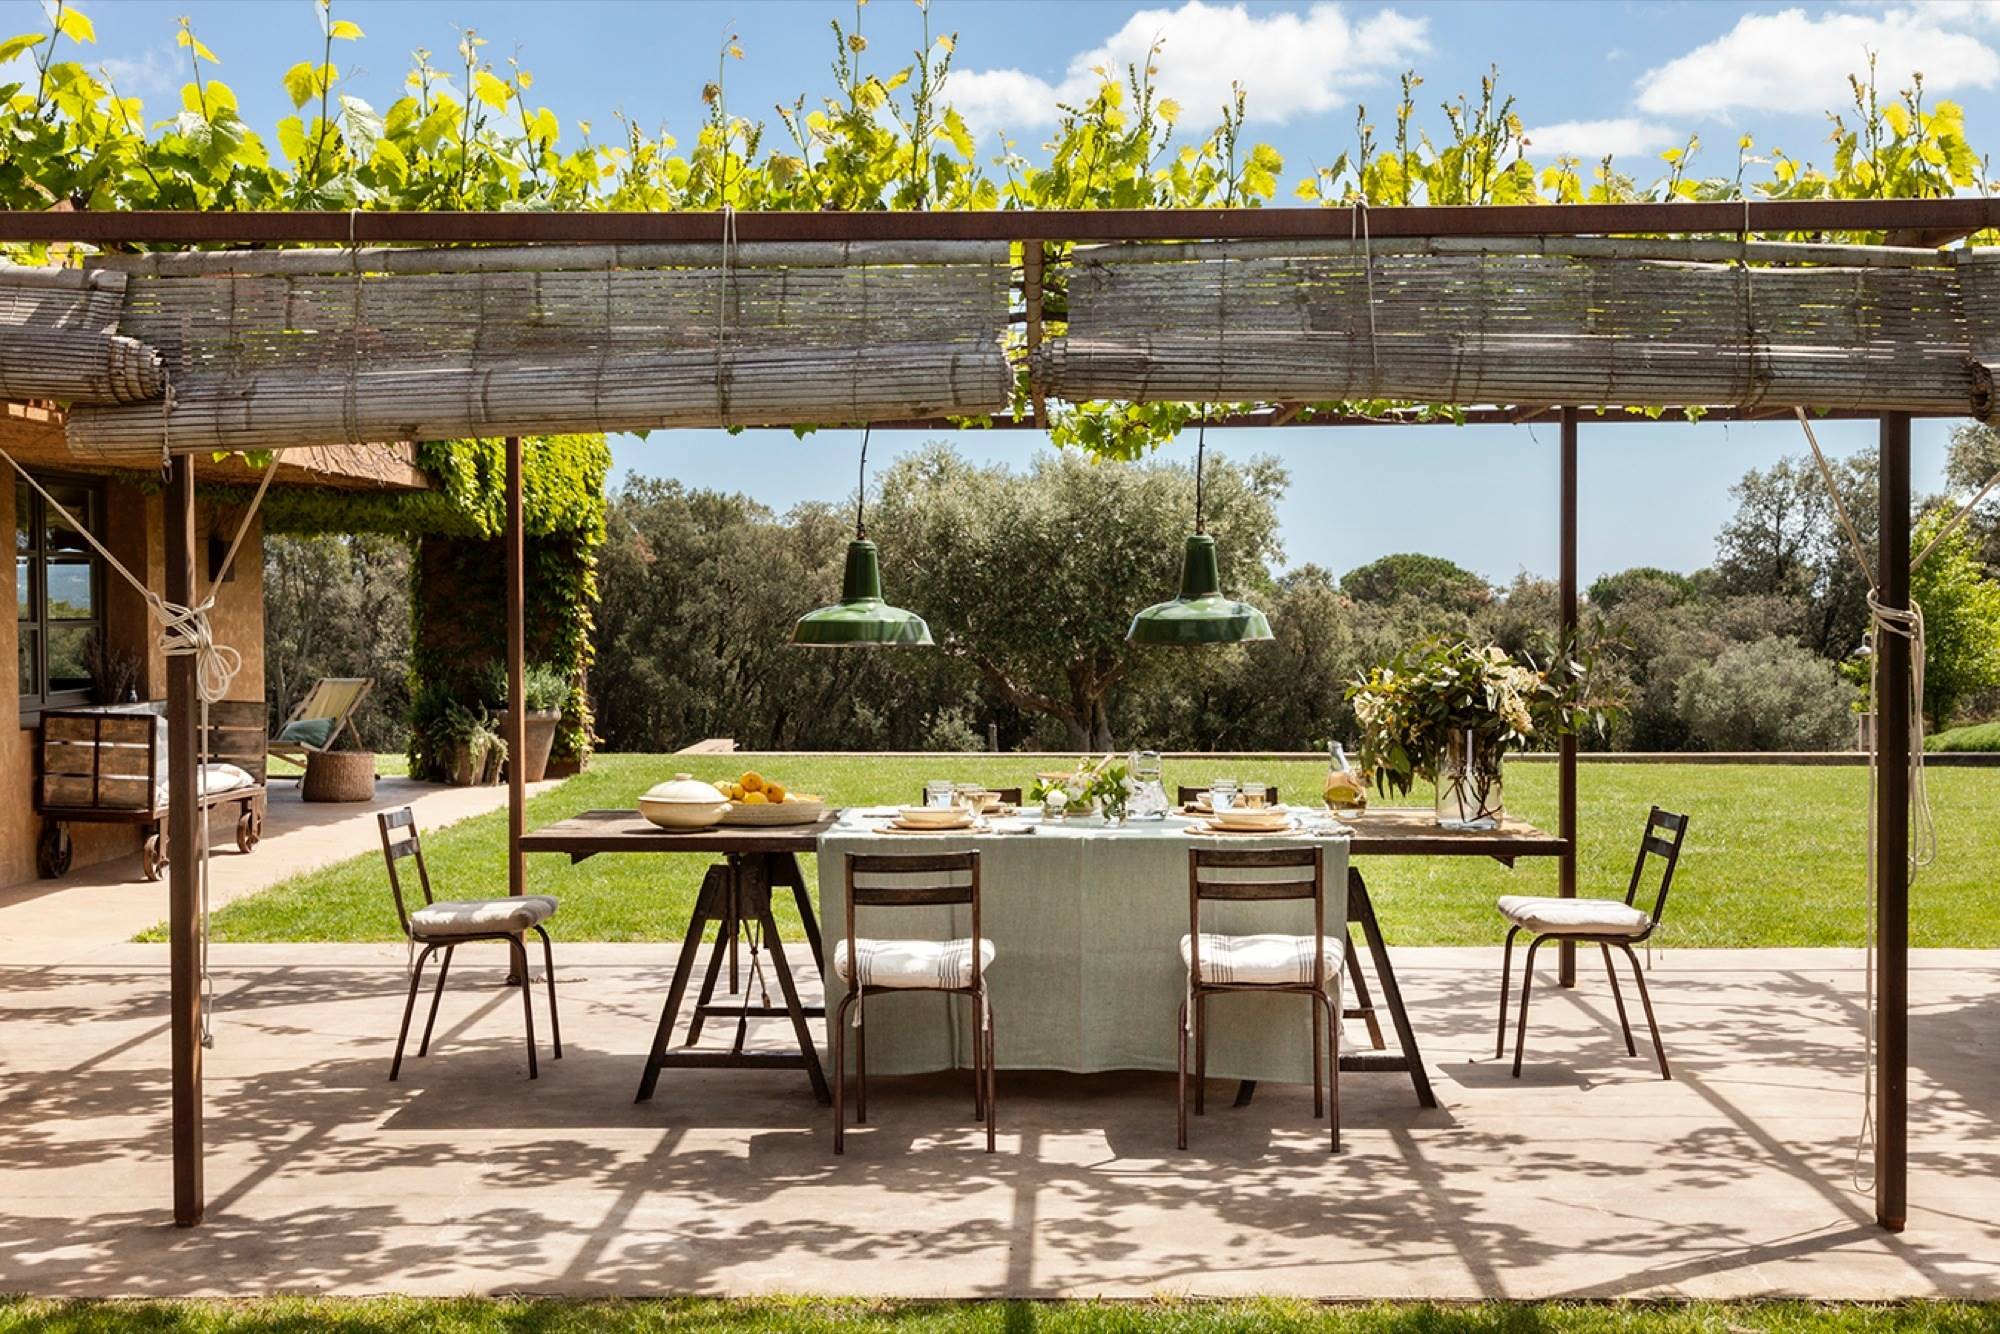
x,y
1588,1177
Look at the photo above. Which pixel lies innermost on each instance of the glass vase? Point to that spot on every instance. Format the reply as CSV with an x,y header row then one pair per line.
x,y
1468,784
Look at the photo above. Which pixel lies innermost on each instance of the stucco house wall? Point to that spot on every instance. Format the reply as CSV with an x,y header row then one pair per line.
x,y
135,532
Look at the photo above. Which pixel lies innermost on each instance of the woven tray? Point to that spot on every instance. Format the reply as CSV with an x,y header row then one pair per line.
x,y
789,813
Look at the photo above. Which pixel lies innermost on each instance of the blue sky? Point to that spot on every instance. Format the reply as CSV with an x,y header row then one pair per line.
x,y
1629,78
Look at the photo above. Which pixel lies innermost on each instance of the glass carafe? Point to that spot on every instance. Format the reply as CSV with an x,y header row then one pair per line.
x,y
1345,791
1149,791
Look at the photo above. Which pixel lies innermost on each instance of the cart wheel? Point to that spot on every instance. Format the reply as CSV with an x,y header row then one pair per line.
x,y
249,829
55,851
154,857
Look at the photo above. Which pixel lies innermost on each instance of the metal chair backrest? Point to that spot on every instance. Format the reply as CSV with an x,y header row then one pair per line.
x,y
1188,794
1654,845
395,849
904,880
1258,875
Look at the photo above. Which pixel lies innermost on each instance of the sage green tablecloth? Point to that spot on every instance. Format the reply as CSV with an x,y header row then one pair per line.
x,y
1086,920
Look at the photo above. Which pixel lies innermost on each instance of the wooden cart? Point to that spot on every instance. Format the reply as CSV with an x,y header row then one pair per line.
x,y
108,765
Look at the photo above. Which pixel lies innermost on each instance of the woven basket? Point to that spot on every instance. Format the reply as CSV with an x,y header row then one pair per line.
x,y
338,775
789,813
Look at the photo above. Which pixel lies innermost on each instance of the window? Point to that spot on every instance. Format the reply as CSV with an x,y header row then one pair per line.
x,y
58,590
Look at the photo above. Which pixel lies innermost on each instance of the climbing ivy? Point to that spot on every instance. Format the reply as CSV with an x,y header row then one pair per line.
x,y
458,599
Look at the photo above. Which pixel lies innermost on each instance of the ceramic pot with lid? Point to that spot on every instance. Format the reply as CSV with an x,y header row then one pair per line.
x,y
684,803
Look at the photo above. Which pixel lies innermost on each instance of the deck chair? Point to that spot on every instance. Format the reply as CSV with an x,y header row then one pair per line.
x,y
316,724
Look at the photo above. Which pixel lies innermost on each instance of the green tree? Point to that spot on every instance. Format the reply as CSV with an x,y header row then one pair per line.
x,y
1784,540
1032,578
1961,605
1972,461
1409,574
1768,694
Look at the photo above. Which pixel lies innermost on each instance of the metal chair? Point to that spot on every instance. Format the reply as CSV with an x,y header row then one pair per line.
x,y
955,967
1192,794
1305,965
1600,922
448,924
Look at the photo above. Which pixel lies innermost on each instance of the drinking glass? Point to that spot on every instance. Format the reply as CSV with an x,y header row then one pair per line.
x,y
939,792
1222,794
1253,796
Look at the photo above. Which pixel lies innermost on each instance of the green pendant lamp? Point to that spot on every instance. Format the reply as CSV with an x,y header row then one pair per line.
x,y
861,619
1201,614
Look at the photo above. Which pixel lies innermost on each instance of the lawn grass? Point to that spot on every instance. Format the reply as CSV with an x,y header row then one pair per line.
x,y
1774,853
808,1316
1978,736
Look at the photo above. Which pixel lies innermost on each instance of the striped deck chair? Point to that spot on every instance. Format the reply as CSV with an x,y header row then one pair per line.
x,y
316,724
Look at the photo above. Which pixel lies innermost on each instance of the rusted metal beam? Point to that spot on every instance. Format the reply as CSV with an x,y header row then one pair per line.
x,y
517,669
1892,835
1920,217
1290,416
1566,612
183,833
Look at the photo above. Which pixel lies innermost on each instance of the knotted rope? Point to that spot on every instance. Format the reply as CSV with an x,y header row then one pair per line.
x,y
184,632
1907,623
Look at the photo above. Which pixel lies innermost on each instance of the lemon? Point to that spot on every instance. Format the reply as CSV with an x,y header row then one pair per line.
x,y
776,793
751,782
755,799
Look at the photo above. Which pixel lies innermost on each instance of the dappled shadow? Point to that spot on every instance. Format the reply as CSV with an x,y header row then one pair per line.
x,y
1592,1177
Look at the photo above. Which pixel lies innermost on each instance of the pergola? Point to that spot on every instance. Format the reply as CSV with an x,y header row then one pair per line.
x,y
1913,321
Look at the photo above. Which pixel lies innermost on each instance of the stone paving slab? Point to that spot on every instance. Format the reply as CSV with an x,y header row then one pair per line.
x,y
1589,1177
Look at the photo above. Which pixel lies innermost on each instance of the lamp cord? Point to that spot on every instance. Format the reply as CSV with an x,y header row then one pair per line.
x,y
1200,458
861,491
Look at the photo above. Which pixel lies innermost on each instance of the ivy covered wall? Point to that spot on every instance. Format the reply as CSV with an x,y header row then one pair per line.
x,y
458,601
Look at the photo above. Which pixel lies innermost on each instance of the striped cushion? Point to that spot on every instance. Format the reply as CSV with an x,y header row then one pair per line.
x,y
1262,959
911,963
1590,917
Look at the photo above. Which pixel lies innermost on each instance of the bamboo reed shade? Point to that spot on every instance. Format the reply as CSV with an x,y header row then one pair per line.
x,y
1979,280
58,339
323,347
1599,325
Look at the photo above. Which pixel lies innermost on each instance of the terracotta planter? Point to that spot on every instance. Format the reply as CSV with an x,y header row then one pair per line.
x,y
538,737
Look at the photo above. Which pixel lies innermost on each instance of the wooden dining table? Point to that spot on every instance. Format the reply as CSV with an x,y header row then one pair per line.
x,y
736,897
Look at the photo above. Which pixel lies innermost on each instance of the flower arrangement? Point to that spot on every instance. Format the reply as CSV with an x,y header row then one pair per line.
x,y
1446,712
1105,782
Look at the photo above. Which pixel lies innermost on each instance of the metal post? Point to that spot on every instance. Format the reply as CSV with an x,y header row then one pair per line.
x,y
517,654
1566,755
1892,846
183,847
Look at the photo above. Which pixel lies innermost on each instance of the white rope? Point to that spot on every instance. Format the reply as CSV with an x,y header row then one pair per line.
x,y
1358,220
184,632
722,310
1906,623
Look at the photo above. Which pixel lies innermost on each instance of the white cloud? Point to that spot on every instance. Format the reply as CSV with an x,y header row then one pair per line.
x,y
1290,62
1793,62
1624,136
152,73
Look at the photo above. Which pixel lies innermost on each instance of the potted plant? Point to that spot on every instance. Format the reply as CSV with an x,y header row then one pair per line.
x,y
467,745
1446,712
114,674
546,690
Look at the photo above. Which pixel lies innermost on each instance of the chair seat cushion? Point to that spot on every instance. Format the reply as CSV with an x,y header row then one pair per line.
x,y
911,963
477,917
1593,917
1268,959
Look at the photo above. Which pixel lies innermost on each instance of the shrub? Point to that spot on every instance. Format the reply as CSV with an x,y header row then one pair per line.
x,y
1768,694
